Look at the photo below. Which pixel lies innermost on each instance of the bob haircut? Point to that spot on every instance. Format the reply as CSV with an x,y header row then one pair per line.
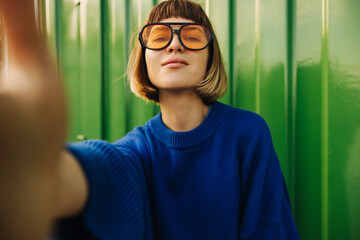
x,y
214,84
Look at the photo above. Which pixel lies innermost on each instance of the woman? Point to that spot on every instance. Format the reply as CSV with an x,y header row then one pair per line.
x,y
198,170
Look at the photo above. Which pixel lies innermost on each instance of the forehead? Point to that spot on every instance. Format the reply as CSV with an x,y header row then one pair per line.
x,y
177,19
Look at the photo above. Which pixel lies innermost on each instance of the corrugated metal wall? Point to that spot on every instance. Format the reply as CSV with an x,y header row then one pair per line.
x,y
297,63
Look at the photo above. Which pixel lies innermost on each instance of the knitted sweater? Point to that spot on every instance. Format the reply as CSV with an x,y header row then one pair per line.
x,y
221,180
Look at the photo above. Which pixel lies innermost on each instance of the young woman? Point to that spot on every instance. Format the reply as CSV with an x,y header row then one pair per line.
x,y
197,170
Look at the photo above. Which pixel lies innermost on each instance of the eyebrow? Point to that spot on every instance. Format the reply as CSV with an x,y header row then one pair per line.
x,y
196,28
193,28
159,27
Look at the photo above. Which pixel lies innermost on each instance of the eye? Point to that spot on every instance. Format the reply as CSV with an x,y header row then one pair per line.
x,y
191,38
160,39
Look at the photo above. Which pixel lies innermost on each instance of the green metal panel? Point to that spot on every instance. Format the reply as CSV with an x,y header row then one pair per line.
x,y
218,12
139,112
69,57
90,53
79,46
245,50
271,79
294,62
308,119
259,75
114,68
328,119
343,128
260,58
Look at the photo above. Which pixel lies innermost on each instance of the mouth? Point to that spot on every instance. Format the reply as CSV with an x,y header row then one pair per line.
x,y
175,63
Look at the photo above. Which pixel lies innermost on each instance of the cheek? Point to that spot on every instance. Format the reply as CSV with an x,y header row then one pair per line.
x,y
150,63
147,61
204,61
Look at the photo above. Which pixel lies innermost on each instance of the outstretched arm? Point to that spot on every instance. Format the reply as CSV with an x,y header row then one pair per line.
x,y
37,177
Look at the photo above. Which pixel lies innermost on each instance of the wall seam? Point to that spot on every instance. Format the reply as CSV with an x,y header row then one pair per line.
x,y
127,42
257,56
58,36
104,33
232,34
290,101
324,119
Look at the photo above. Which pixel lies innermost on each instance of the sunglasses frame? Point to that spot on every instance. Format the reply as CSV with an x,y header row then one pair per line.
x,y
168,24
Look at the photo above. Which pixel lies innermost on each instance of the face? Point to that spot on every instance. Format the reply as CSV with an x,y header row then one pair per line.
x,y
176,68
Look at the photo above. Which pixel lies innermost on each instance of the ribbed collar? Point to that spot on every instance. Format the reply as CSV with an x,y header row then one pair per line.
x,y
190,138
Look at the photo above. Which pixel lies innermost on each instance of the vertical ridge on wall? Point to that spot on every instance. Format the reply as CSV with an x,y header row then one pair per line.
x,y
308,119
207,7
139,110
232,34
67,25
245,55
290,99
257,56
58,33
344,120
104,22
90,68
117,59
219,16
324,119
127,41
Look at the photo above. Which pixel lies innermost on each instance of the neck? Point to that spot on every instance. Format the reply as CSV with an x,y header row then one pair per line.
x,y
182,111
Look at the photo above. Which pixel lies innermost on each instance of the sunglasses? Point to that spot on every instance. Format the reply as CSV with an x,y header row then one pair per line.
x,y
192,36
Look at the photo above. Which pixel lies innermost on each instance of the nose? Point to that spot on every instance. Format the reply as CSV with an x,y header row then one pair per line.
x,y
175,45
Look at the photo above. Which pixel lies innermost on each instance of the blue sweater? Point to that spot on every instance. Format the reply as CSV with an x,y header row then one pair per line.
x,y
221,180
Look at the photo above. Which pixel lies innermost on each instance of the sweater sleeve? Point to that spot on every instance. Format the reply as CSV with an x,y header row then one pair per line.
x,y
265,212
116,203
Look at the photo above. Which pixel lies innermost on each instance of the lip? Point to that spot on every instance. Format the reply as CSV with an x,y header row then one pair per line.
x,y
175,62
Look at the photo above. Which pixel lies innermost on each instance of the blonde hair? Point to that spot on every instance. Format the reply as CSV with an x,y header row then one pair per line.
x,y
214,84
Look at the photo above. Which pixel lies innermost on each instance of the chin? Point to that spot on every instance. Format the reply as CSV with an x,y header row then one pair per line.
x,y
174,88
170,83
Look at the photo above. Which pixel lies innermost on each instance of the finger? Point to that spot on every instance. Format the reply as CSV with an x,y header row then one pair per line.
x,y
22,35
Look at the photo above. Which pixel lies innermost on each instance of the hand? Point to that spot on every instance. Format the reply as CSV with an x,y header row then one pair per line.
x,y
32,127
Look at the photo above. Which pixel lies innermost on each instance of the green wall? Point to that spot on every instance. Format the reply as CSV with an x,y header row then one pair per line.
x,y
297,63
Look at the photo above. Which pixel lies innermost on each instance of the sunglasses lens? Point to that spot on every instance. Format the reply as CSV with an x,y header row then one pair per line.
x,y
156,36
195,36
